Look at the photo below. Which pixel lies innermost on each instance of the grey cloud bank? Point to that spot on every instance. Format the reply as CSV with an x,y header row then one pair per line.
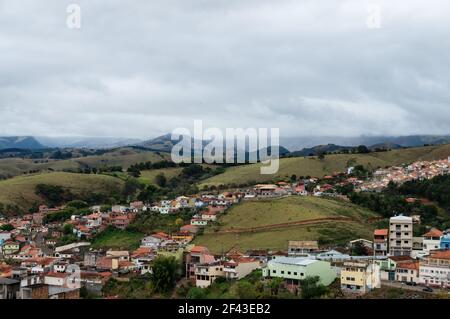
x,y
142,68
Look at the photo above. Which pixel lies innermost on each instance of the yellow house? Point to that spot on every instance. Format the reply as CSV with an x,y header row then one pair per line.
x,y
206,274
360,277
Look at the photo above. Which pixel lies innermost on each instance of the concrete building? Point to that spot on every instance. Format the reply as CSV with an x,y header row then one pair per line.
x,y
435,269
432,240
360,277
9,288
240,267
400,236
206,274
380,242
298,248
407,271
294,269
445,241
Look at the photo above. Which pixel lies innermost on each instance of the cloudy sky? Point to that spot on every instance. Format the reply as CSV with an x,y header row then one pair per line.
x,y
141,68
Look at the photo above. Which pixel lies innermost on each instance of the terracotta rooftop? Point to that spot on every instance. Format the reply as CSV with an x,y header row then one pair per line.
x,y
433,233
411,264
380,232
442,254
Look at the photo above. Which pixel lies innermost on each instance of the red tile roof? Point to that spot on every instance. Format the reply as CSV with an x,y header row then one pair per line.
x,y
442,254
380,232
412,265
433,233
199,249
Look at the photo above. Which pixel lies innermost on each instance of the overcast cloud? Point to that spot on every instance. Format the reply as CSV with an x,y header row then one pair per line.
x,y
141,68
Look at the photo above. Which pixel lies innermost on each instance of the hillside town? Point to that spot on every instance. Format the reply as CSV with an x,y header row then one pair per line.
x,y
35,265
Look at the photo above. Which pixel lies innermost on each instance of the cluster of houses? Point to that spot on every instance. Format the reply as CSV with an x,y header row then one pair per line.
x,y
391,256
33,265
401,174
421,260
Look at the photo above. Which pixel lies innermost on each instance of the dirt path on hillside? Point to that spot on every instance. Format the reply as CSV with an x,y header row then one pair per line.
x,y
284,225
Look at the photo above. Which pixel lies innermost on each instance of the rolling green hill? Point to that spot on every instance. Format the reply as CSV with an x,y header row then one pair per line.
x,y
269,224
124,157
20,190
149,176
312,166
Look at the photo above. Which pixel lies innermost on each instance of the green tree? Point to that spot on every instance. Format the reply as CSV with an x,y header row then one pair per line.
x,y
161,180
275,285
196,293
245,290
359,249
7,227
131,186
78,204
68,229
149,194
311,288
362,149
164,274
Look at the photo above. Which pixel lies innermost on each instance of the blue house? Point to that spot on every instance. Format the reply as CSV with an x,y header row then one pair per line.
x,y
445,241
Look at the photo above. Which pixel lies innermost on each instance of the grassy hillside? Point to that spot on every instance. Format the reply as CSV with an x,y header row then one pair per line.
x,y
117,239
124,157
20,190
312,166
232,230
148,176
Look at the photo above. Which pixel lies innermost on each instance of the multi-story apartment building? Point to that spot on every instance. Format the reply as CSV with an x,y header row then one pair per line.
x,y
435,269
400,236
380,242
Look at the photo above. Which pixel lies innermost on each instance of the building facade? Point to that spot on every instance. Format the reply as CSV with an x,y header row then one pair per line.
x,y
294,269
400,236
435,269
360,277
380,242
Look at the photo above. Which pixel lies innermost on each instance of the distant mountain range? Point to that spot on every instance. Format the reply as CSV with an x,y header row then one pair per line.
x,y
330,148
296,146
20,142
299,143
86,142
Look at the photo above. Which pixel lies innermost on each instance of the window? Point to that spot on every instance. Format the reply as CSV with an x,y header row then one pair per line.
x,y
289,272
295,273
274,271
282,272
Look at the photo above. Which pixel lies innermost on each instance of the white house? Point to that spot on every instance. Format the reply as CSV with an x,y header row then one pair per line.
x,y
151,242
199,222
432,240
240,267
435,269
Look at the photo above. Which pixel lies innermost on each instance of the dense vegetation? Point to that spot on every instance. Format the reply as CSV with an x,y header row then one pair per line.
x,y
255,287
393,201
436,189
160,283
148,223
